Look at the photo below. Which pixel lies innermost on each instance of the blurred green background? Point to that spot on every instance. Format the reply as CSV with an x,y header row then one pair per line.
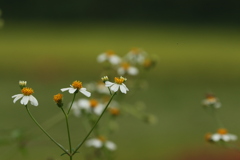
x,y
50,44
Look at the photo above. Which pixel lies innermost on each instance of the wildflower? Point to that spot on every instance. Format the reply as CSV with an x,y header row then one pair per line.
x,y
136,55
110,56
26,97
75,87
100,142
127,68
222,134
91,105
104,79
118,84
58,99
211,100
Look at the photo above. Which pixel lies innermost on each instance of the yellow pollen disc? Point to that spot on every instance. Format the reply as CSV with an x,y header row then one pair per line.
x,y
57,98
119,80
77,84
125,65
93,103
102,138
114,111
110,53
222,131
27,91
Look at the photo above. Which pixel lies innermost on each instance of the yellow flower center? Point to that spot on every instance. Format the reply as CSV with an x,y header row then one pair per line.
x,y
27,91
93,103
125,65
119,80
110,53
102,138
58,97
211,98
77,84
222,131
114,111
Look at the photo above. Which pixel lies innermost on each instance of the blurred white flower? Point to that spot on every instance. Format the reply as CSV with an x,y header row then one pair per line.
x,y
109,56
118,84
222,135
101,142
136,55
127,68
91,105
211,100
75,87
26,97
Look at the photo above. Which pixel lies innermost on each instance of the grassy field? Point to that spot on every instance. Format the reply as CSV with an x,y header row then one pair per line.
x,y
192,60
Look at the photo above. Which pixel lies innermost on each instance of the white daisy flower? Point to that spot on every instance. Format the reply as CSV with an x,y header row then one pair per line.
x,y
211,100
109,56
101,142
136,55
127,68
222,134
26,97
118,84
75,87
91,105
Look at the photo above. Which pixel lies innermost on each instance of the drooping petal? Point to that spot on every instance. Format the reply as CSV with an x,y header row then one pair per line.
x,y
108,84
94,143
33,100
125,86
110,145
25,100
85,92
17,97
72,90
132,71
65,89
123,89
115,87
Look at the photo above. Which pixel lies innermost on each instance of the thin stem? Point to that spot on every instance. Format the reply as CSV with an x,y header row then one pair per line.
x,y
71,103
59,145
68,130
94,125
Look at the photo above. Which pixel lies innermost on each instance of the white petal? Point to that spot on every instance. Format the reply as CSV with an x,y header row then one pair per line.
x,y
108,83
72,90
76,109
110,145
17,97
114,59
25,100
94,142
121,71
65,89
102,57
216,137
85,92
123,89
226,137
132,71
33,100
98,109
233,137
115,87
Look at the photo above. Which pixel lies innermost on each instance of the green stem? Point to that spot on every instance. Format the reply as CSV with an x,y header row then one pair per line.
x,y
68,130
59,145
71,103
94,125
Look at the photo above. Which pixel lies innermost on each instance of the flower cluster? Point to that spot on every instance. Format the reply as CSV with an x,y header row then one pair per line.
x,y
128,64
221,135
